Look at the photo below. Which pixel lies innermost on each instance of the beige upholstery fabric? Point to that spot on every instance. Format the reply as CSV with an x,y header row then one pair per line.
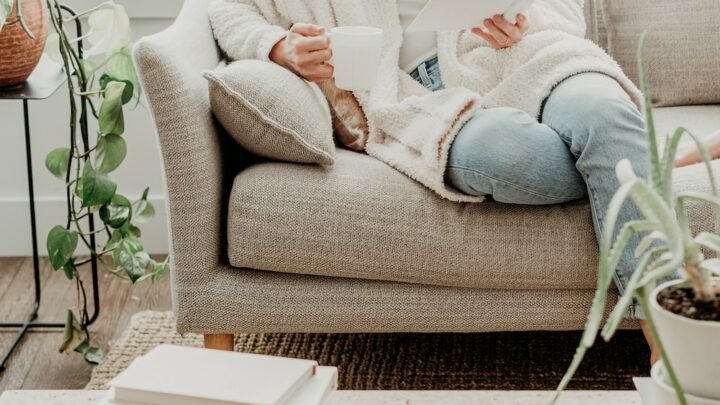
x,y
701,120
682,48
364,219
361,219
272,112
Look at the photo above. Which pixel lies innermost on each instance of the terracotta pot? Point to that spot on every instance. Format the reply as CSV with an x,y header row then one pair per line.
x,y
19,54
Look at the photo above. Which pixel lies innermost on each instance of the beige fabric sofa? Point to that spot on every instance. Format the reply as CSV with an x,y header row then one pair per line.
x,y
280,247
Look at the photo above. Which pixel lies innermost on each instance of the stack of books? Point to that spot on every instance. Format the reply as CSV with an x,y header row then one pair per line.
x,y
176,375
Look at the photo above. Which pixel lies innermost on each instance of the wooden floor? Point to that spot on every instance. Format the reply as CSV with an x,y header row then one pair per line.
x,y
36,363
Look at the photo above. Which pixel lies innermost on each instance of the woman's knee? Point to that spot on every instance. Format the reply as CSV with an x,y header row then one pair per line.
x,y
489,134
591,99
507,154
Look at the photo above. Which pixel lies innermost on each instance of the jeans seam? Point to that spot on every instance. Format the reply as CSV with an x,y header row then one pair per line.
x,y
422,71
513,185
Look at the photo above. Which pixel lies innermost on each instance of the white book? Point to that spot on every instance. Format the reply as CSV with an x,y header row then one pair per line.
x,y
315,391
318,388
180,375
444,15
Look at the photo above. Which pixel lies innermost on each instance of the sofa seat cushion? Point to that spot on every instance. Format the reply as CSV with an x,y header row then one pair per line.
x,y
363,219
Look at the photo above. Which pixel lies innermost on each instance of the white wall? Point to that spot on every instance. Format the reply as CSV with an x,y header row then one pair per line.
x,y
49,128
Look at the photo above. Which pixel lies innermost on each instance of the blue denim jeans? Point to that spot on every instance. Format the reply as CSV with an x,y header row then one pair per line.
x,y
587,125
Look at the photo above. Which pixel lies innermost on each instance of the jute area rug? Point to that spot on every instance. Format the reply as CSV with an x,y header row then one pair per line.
x,y
488,361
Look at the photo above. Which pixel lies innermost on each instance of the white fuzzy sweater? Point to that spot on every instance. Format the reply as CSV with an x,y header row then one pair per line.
x,y
411,128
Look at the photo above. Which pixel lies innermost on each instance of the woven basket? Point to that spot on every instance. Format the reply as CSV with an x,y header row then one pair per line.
x,y
19,54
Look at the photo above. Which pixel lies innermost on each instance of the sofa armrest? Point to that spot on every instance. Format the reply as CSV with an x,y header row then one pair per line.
x,y
170,65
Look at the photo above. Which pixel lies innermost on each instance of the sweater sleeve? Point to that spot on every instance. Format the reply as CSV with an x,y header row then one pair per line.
x,y
242,31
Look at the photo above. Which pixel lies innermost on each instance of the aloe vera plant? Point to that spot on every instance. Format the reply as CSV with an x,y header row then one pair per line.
x,y
668,247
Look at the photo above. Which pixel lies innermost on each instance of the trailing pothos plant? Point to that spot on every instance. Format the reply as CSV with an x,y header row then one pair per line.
x,y
668,246
101,81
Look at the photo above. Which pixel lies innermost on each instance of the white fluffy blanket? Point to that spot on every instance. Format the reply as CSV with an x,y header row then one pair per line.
x,y
411,128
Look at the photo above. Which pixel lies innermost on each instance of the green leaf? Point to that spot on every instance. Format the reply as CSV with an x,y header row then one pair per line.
x,y
121,67
97,189
159,269
111,117
130,256
73,335
94,355
117,213
115,238
57,162
106,79
88,67
5,10
655,169
61,245
130,230
144,211
69,268
110,153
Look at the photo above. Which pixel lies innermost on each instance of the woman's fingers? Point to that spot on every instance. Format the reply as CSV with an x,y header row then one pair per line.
x,y
522,23
308,30
512,31
320,73
309,44
499,33
316,57
487,37
496,32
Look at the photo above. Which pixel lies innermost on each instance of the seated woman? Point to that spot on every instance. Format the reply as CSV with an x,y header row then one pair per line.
x,y
525,113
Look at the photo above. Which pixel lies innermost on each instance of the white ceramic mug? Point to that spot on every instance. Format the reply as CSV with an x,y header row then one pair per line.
x,y
356,56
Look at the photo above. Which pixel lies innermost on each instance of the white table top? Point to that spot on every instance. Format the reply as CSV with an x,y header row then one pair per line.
x,y
373,397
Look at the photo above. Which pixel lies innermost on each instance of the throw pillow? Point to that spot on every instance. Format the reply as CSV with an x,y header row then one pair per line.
x,y
682,49
272,112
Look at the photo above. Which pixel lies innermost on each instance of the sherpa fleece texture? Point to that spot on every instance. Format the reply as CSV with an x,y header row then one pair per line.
x,y
411,128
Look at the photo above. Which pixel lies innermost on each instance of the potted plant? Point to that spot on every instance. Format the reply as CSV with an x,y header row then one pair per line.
x,y
23,31
683,316
101,83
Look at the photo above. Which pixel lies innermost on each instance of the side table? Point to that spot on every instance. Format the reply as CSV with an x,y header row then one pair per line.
x,y
43,83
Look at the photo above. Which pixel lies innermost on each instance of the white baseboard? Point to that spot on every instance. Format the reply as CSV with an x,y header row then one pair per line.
x,y
15,235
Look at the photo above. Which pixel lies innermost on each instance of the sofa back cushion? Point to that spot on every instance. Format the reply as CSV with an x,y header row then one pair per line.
x,y
682,49
272,112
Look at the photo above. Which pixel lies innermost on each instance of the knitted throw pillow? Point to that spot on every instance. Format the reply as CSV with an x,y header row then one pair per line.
x,y
682,49
272,112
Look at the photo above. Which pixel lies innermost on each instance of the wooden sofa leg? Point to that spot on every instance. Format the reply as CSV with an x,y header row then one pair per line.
x,y
222,341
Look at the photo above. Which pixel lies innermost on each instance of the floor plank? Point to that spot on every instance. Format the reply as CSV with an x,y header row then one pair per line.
x,y
37,362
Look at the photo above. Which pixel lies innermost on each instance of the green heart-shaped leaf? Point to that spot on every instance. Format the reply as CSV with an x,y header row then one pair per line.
x,y
159,269
105,79
130,256
111,117
144,211
97,189
61,245
120,66
117,213
57,162
110,153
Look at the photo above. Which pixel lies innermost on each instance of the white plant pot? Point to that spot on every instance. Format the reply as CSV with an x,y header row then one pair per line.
x,y
692,347
665,394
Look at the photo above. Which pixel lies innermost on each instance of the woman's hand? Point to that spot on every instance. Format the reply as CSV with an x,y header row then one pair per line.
x,y
305,51
499,33
691,155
